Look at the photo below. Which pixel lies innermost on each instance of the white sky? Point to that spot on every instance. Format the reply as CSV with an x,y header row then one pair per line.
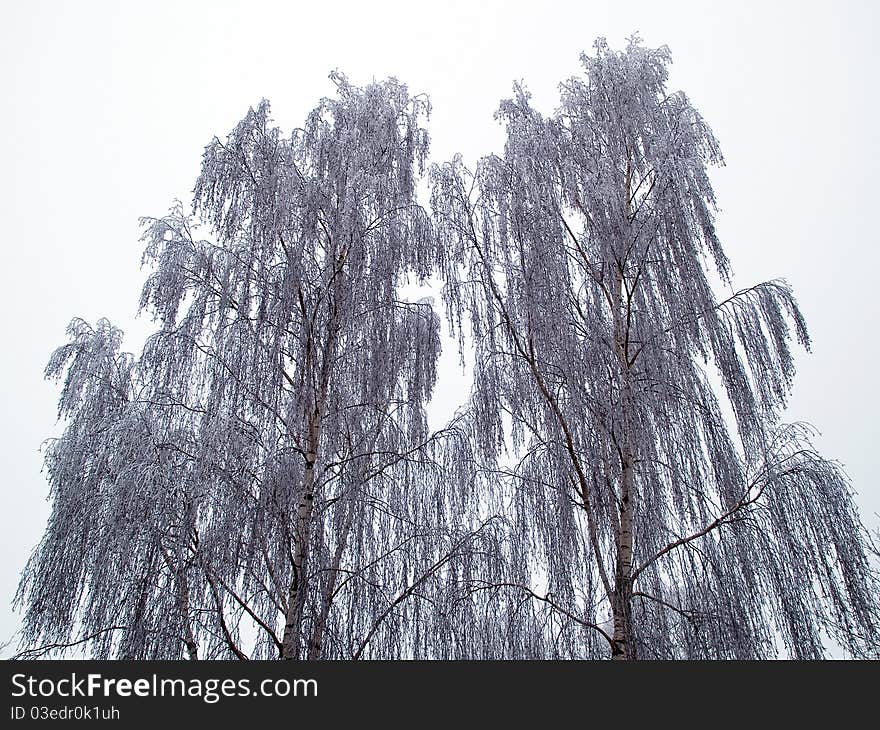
x,y
105,109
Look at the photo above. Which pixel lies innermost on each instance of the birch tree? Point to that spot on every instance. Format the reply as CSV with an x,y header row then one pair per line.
x,y
263,468
113,559
652,525
261,481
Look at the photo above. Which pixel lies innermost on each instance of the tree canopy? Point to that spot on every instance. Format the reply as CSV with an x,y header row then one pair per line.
x,y
261,481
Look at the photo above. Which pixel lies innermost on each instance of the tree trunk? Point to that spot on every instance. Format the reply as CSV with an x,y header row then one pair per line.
x,y
189,639
302,533
621,602
290,643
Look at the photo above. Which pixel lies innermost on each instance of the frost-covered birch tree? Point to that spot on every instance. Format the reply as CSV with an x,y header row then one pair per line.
x,y
264,468
645,522
261,481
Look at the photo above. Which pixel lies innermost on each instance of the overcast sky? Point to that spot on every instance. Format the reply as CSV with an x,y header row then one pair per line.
x,y
106,108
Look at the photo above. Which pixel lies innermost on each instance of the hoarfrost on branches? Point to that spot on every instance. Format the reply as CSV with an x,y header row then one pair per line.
x,y
265,466
581,257
261,481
